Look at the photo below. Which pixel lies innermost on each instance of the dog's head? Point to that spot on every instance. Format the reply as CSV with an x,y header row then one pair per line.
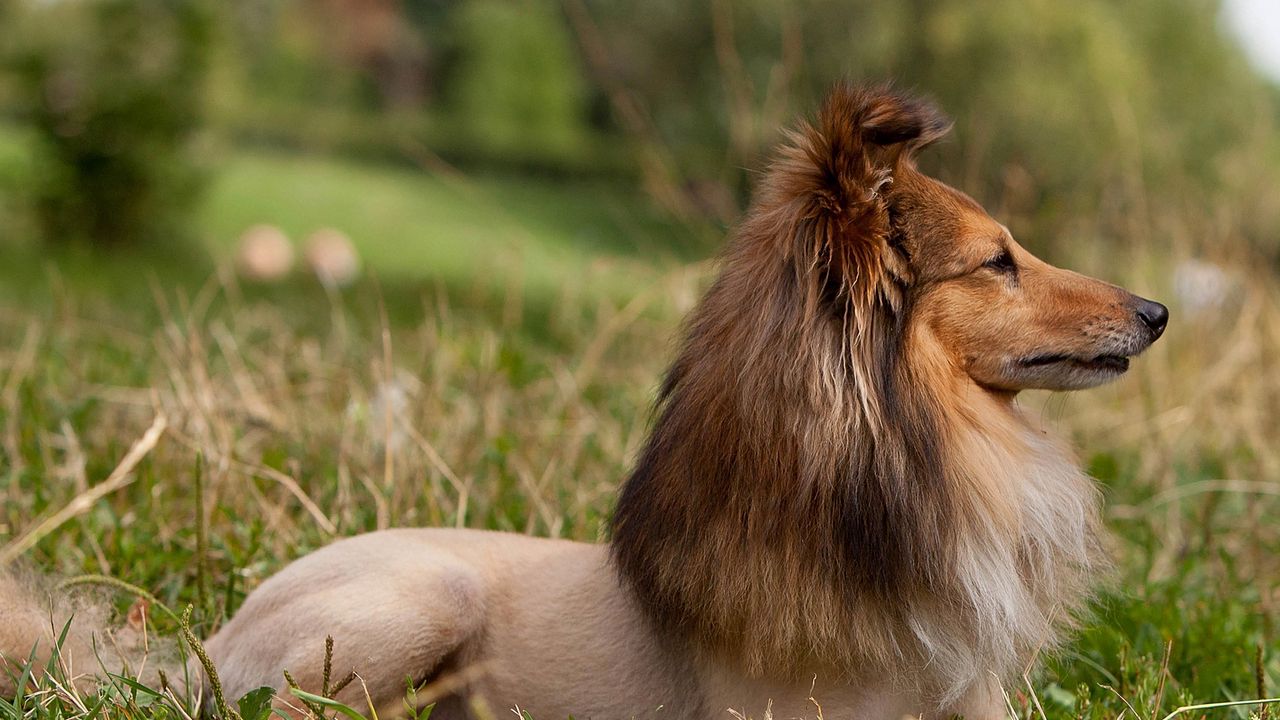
x,y
892,240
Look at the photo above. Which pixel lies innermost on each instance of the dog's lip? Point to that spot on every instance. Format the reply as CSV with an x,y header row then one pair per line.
x,y
1108,362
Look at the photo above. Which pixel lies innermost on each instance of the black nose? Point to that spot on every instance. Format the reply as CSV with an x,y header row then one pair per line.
x,y
1154,315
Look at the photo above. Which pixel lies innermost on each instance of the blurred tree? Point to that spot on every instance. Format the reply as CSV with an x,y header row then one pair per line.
x,y
373,36
113,89
517,88
488,82
355,54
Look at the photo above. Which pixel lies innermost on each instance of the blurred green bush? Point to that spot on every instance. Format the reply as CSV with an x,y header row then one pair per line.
x,y
113,90
517,89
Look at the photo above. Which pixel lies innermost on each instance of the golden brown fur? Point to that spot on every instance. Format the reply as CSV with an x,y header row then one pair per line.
x,y
839,494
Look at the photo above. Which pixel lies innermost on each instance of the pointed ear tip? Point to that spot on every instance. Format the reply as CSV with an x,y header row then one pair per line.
x,y
907,118
885,114
936,125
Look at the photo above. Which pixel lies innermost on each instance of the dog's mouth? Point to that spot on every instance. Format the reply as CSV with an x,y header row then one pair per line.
x,y
1116,364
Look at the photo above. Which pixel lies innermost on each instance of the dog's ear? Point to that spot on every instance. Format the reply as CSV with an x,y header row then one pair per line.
x,y
833,175
887,118
861,135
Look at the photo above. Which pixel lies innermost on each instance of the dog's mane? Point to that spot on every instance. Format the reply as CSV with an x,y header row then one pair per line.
x,y
820,489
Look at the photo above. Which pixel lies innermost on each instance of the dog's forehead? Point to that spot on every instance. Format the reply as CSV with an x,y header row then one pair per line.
x,y
945,197
940,213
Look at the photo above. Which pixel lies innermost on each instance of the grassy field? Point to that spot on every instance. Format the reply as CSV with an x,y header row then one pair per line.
x,y
293,416
410,224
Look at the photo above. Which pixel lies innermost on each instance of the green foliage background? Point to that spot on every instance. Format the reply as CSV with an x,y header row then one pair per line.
x,y
1059,103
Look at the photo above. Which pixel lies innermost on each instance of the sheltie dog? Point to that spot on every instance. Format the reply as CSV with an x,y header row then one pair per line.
x,y
841,509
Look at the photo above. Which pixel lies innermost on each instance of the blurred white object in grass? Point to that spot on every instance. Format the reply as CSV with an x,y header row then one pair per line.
x,y
383,415
1203,286
331,256
264,253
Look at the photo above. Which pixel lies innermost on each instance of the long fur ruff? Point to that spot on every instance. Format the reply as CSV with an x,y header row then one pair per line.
x,y
822,488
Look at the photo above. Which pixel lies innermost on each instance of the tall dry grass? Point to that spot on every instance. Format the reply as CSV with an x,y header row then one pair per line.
x,y
453,421
448,421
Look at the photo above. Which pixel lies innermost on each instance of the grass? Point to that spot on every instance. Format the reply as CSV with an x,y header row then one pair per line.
x,y
301,416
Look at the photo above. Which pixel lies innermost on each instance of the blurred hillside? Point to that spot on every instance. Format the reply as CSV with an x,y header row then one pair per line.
x,y
1063,109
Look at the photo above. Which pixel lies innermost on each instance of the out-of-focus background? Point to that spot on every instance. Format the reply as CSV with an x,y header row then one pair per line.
x,y
410,262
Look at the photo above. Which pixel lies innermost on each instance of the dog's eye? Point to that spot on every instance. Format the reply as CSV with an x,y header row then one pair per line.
x,y
1002,263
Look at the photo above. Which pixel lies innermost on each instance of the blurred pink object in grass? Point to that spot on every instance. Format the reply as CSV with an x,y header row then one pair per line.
x,y
331,256
264,254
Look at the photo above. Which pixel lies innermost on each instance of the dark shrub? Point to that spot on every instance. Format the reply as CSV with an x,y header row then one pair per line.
x,y
517,89
114,91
